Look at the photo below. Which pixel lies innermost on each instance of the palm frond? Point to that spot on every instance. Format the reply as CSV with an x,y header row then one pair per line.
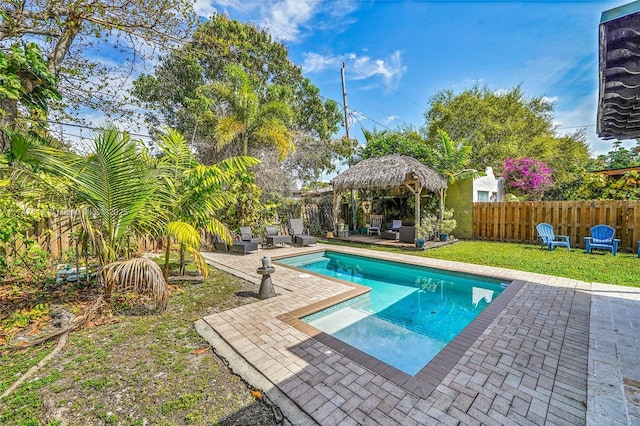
x,y
140,275
218,228
199,261
274,132
184,233
227,130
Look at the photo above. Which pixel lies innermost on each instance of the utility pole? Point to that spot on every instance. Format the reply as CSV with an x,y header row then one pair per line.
x,y
346,127
344,102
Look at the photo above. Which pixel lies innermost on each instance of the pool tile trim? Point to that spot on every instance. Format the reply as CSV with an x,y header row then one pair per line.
x,y
528,367
430,376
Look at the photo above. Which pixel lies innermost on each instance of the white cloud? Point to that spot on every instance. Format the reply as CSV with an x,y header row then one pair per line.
x,y
550,99
391,118
315,62
206,8
390,69
286,19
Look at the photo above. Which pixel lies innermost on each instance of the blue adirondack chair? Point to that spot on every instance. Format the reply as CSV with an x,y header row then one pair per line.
x,y
602,238
549,239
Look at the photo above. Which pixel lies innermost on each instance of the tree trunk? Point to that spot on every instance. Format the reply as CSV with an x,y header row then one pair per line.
x,y
167,254
8,115
245,144
182,263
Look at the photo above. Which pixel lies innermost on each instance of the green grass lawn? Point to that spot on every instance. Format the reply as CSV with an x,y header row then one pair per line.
x,y
135,367
602,267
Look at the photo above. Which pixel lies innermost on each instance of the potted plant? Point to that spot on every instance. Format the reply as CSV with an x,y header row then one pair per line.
x,y
425,229
447,224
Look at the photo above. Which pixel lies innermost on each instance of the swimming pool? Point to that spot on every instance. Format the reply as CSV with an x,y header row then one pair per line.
x,y
411,313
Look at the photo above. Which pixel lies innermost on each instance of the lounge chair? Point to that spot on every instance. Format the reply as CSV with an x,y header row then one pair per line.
x,y
300,234
273,238
549,239
246,235
376,224
602,238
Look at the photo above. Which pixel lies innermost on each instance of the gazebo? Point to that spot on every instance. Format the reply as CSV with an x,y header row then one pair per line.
x,y
388,172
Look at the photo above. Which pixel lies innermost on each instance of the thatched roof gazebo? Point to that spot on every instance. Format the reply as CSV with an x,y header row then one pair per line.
x,y
390,171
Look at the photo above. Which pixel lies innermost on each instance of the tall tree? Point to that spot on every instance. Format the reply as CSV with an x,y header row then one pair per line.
x,y
68,32
243,115
501,124
404,140
170,92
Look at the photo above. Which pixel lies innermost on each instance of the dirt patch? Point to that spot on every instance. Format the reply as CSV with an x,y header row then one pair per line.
x,y
133,367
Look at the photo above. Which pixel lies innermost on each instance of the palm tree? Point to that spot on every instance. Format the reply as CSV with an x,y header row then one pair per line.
x,y
451,160
193,195
113,193
247,117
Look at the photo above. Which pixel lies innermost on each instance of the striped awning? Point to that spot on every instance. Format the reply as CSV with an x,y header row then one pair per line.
x,y
619,98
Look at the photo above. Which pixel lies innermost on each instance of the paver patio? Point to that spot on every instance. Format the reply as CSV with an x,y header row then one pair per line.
x,y
560,351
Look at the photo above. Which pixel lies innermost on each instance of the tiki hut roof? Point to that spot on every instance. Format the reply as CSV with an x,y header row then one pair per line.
x,y
390,171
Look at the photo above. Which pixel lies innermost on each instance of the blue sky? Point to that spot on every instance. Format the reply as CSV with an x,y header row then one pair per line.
x,y
399,53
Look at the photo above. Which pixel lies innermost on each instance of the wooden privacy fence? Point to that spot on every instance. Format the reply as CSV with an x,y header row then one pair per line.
x,y
516,221
55,233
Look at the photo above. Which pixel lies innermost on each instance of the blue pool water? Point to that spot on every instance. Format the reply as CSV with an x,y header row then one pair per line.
x,y
411,313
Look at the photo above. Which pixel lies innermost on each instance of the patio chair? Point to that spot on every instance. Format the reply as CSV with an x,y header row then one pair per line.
x,y
602,238
549,239
300,234
375,225
395,225
246,235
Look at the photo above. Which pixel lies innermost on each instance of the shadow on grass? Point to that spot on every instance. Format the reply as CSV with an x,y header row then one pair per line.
x,y
247,294
257,413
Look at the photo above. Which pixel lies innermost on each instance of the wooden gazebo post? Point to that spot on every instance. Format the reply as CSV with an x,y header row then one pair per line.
x,y
336,210
416,191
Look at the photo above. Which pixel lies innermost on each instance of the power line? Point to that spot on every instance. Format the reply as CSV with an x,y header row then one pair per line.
x,y
82,126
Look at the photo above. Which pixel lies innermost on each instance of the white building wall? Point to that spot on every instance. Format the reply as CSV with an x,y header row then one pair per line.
x,y
488,184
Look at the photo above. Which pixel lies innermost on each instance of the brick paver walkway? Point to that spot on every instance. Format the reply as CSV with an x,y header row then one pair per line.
x,y
529,366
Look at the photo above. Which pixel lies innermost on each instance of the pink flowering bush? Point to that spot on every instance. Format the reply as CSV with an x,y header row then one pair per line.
x,y
526,176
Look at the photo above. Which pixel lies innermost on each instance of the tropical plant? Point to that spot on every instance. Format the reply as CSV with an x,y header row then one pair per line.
x,y
19,65
140,275
194,195
28,195
452,157
245,116
596,186
526,176
447,223
112,193
427,228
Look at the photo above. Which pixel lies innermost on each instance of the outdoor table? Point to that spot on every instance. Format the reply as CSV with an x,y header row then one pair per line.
x,y
243,247
272,240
